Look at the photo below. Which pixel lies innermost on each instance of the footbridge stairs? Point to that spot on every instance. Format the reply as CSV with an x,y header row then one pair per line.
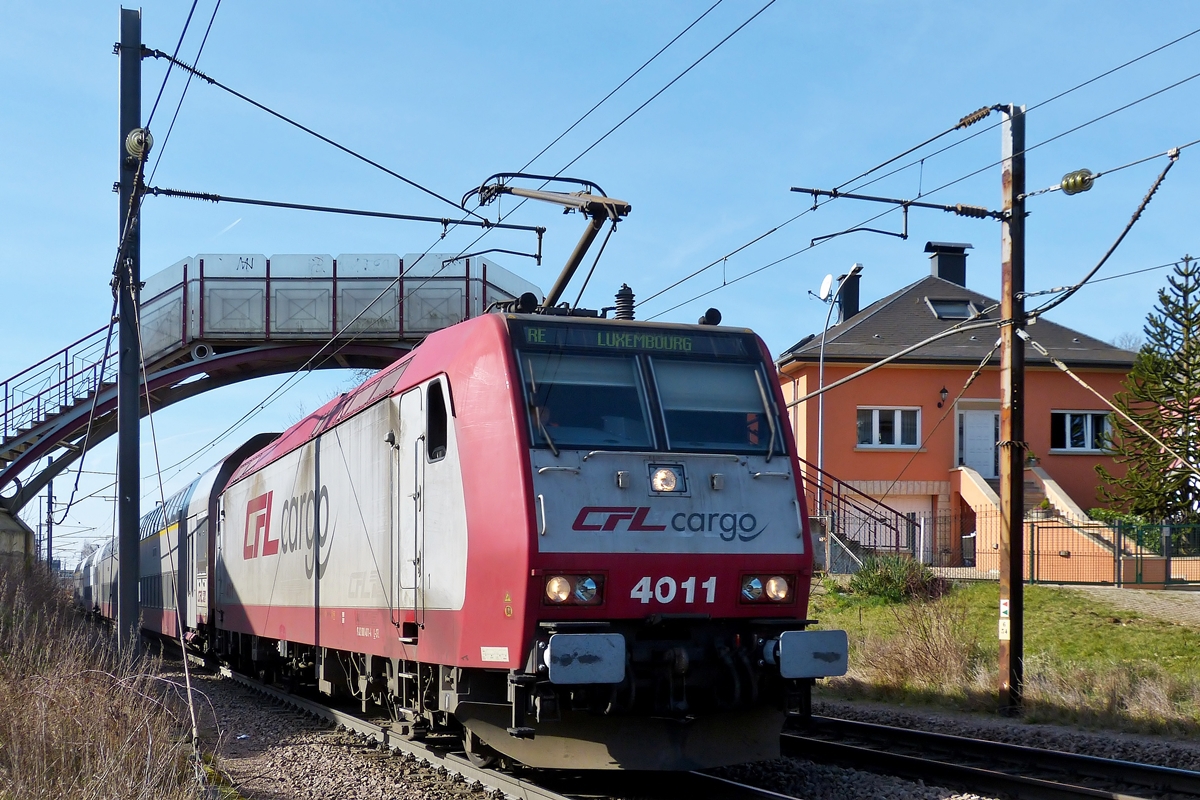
x,y
216,319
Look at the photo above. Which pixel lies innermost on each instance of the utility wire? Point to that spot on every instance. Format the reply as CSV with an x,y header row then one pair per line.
x,y
1031,108
1096,176
1024,335
1094,281
310,131
949,407
962,327
1042,309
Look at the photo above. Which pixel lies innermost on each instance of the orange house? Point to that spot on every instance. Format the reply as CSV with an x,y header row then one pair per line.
x,y
908,434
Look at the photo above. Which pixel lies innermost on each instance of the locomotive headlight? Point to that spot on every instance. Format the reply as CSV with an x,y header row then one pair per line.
x,y
777,589
585,589
752,588
558,589
664,479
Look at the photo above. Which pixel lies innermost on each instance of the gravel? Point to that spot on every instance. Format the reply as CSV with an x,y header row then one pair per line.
x,y
270,752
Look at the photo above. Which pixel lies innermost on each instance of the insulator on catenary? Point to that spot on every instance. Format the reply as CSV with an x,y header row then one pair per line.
x,y
1078,181
979,212
973,117
624,303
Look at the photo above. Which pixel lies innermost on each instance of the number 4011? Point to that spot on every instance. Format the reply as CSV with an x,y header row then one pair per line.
x,y
665,589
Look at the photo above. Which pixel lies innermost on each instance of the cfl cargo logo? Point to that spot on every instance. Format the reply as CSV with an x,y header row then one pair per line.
x,y
258,528
606,518
303,525
728,526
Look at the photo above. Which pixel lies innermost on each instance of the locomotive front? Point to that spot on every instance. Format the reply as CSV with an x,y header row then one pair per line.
x,y
672,561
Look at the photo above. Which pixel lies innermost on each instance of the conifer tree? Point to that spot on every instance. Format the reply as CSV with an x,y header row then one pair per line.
x,y
1162,393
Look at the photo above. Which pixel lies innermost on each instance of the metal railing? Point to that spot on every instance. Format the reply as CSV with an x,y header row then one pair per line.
x,y
855,524
56,382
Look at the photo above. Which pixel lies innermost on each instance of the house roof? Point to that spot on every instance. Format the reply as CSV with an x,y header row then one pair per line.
x,y
908,316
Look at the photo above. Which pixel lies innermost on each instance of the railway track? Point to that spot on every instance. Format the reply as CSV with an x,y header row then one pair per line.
x,y
517,784
984,766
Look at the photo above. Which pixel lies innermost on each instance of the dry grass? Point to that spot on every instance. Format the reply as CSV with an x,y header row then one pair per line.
x,y
942,652
78,720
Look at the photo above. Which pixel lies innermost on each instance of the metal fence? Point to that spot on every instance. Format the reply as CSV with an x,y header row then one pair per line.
x,y
966,545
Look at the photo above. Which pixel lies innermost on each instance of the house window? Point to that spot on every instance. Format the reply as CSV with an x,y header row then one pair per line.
x,y
1078,430
952,309
888,427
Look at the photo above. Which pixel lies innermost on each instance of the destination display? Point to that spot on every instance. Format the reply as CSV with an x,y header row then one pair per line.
x,y
623,339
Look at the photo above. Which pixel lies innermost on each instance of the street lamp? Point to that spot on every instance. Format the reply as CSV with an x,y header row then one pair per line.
x,y
832,299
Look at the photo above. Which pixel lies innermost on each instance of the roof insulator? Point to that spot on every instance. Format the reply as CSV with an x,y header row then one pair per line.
x,y
1078,181
973,117
978,212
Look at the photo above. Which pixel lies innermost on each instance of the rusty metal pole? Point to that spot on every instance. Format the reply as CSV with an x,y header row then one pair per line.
x,y
1012,412
128,285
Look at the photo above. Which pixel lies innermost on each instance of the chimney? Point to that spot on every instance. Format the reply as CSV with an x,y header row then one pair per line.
x,y
948,261
848,298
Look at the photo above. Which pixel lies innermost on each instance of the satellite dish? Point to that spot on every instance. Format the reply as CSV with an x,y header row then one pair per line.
x,y
826,287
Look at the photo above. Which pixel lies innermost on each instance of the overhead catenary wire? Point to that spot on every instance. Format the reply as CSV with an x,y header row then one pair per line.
x,y
170,128
620,85
980,132
284,118
629,116
167,76
942,187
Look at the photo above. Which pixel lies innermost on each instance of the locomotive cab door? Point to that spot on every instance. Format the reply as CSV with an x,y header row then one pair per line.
x,y
408,514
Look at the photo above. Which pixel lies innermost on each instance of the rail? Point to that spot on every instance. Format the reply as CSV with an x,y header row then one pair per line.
x,y
984,766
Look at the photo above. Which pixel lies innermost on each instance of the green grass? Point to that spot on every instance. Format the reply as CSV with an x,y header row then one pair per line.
x,y
1085,662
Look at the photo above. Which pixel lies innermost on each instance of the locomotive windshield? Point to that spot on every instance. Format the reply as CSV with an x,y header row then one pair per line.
x,y
586,401
605,388
713,406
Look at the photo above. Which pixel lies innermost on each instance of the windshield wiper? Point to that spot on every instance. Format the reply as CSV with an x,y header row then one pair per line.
x,y
762,392
537,412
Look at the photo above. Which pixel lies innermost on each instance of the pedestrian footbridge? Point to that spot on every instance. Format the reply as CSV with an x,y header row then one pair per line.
x,y
217,319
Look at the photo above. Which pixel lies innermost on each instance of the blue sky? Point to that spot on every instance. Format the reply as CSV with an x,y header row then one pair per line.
x,y
807,94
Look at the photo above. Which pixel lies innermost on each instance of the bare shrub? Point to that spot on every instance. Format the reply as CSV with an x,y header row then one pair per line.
x,y
76,718
930,652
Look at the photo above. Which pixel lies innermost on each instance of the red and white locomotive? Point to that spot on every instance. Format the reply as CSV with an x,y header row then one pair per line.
x,y
580,542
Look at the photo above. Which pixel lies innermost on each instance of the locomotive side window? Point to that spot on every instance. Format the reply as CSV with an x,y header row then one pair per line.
x,y
585,401
435,423
710,406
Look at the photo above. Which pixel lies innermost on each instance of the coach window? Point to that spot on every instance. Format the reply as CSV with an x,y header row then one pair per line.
x,y
435,423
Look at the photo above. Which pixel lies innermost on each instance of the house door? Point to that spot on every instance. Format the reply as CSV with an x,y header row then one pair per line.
x,y
408,485
978,433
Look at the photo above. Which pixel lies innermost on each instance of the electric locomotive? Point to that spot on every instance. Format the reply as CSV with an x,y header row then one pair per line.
x,y
580,542
577,542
